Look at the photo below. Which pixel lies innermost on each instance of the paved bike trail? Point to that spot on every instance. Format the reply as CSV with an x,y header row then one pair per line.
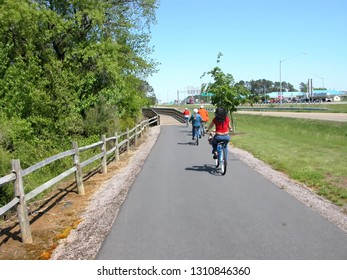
x,y
180,208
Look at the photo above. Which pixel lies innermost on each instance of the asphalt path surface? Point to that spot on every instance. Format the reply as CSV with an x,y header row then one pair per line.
x,y
180,207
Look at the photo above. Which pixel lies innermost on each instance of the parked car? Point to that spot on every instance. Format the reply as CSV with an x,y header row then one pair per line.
x,y
327,99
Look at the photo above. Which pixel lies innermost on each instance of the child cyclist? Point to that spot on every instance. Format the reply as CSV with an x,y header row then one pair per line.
x,y
204,115
196,123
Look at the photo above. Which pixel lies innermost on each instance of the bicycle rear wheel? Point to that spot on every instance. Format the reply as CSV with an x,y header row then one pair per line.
x,y
202,129
217,162
223,163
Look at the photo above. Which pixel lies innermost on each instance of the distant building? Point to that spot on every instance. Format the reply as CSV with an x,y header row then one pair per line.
x,y
327,95
318,95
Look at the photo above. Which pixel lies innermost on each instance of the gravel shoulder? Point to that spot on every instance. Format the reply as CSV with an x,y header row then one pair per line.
x,y
84,242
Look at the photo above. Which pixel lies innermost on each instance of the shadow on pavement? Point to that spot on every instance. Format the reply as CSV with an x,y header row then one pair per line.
x,y
187,143
205,168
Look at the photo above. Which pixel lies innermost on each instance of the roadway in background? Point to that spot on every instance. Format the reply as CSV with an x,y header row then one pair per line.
x,y
338,117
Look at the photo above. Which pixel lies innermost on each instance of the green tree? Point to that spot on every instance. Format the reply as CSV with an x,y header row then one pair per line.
x,y
60,58
226,93
303,87
70,69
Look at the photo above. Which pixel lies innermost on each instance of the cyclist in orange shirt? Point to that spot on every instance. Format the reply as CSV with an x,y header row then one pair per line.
x,y
204,115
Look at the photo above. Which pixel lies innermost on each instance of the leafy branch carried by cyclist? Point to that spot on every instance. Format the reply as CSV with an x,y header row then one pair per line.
x,y
226,93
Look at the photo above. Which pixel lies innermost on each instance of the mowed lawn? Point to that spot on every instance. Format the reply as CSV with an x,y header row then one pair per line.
x,y
310,151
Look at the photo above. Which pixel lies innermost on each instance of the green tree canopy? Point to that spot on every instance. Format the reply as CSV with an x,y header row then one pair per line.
x,y
60,59
226,93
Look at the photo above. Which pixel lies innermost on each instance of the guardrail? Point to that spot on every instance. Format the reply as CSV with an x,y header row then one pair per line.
x,y
20,200
178,115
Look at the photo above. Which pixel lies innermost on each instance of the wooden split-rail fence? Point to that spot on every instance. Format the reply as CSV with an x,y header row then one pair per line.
x,y
21,198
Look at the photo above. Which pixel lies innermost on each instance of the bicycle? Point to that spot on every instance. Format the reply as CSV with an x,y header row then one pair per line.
x,y
222,153
186,120
197,135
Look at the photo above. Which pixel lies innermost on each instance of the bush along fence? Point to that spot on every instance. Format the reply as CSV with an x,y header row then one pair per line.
x,y
20,200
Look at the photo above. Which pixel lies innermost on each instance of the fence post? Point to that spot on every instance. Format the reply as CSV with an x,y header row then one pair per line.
x,y
145,126
104,158
136,135
22,211
116,152
78,173
128,141
140,130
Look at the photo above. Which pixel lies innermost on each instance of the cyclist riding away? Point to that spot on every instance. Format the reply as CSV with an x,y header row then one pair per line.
x,y
204,115
196,122
223,127
186,115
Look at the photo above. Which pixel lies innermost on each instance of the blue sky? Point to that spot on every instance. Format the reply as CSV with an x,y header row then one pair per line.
x,y
253,36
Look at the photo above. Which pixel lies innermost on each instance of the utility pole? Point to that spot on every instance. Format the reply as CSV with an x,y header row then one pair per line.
x,y
283,60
